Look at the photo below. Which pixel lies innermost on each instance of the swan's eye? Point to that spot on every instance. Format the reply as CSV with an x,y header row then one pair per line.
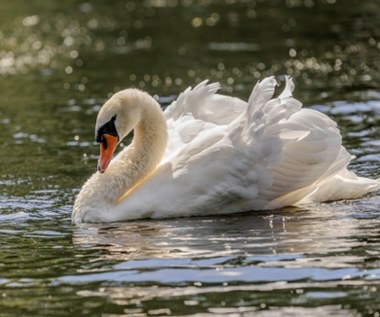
x,y
104,142
108,128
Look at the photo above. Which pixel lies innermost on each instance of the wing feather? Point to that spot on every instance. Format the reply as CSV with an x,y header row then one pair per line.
x,y
225,155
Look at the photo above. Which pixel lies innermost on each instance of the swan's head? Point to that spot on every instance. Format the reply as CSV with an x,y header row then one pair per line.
x,y
117,117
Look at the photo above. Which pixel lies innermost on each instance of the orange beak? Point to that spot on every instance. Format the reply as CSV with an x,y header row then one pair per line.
x,y
107,148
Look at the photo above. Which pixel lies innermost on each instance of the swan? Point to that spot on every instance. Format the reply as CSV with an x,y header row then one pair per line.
x,y
212,154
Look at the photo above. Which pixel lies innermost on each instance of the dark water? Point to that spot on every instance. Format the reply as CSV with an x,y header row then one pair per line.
x,y
59,60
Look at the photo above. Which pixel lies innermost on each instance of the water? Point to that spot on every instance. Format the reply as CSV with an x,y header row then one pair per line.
x,y
58,63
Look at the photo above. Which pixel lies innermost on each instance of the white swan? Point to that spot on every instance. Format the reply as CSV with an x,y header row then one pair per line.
x,y
212,154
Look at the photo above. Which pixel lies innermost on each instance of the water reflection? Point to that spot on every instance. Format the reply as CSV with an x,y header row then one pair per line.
x,y
233,264
292,231
59,61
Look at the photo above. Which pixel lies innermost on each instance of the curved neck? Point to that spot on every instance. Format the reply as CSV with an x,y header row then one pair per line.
x,y
132,164
143,154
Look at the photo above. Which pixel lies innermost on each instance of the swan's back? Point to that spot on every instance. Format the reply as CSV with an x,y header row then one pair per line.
x,y
226,155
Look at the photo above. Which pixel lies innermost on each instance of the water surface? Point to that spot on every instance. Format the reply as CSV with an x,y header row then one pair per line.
x,y
59,61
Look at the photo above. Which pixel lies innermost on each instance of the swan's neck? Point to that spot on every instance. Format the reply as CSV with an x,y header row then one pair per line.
x,y
102,191
141,157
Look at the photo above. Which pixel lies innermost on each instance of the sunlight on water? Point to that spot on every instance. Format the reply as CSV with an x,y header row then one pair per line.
x,y
59,62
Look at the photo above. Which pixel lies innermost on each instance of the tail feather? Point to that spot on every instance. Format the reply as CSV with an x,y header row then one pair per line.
x,y
345,185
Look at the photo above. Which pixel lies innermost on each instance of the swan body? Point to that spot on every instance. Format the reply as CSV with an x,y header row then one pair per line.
x,y
213,154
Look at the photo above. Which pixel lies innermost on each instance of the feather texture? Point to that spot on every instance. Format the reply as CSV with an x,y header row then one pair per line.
x,y
224,155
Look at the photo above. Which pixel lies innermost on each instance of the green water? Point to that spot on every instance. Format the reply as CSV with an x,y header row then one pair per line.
x,y
60,60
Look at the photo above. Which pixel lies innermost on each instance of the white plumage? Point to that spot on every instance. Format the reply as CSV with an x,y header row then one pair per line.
x,y
214,154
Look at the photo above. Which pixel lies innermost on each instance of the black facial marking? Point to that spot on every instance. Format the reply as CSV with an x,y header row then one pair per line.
x,y
108,128
104,142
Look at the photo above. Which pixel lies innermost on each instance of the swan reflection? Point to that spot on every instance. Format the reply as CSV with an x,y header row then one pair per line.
x,y
312,230
196,260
